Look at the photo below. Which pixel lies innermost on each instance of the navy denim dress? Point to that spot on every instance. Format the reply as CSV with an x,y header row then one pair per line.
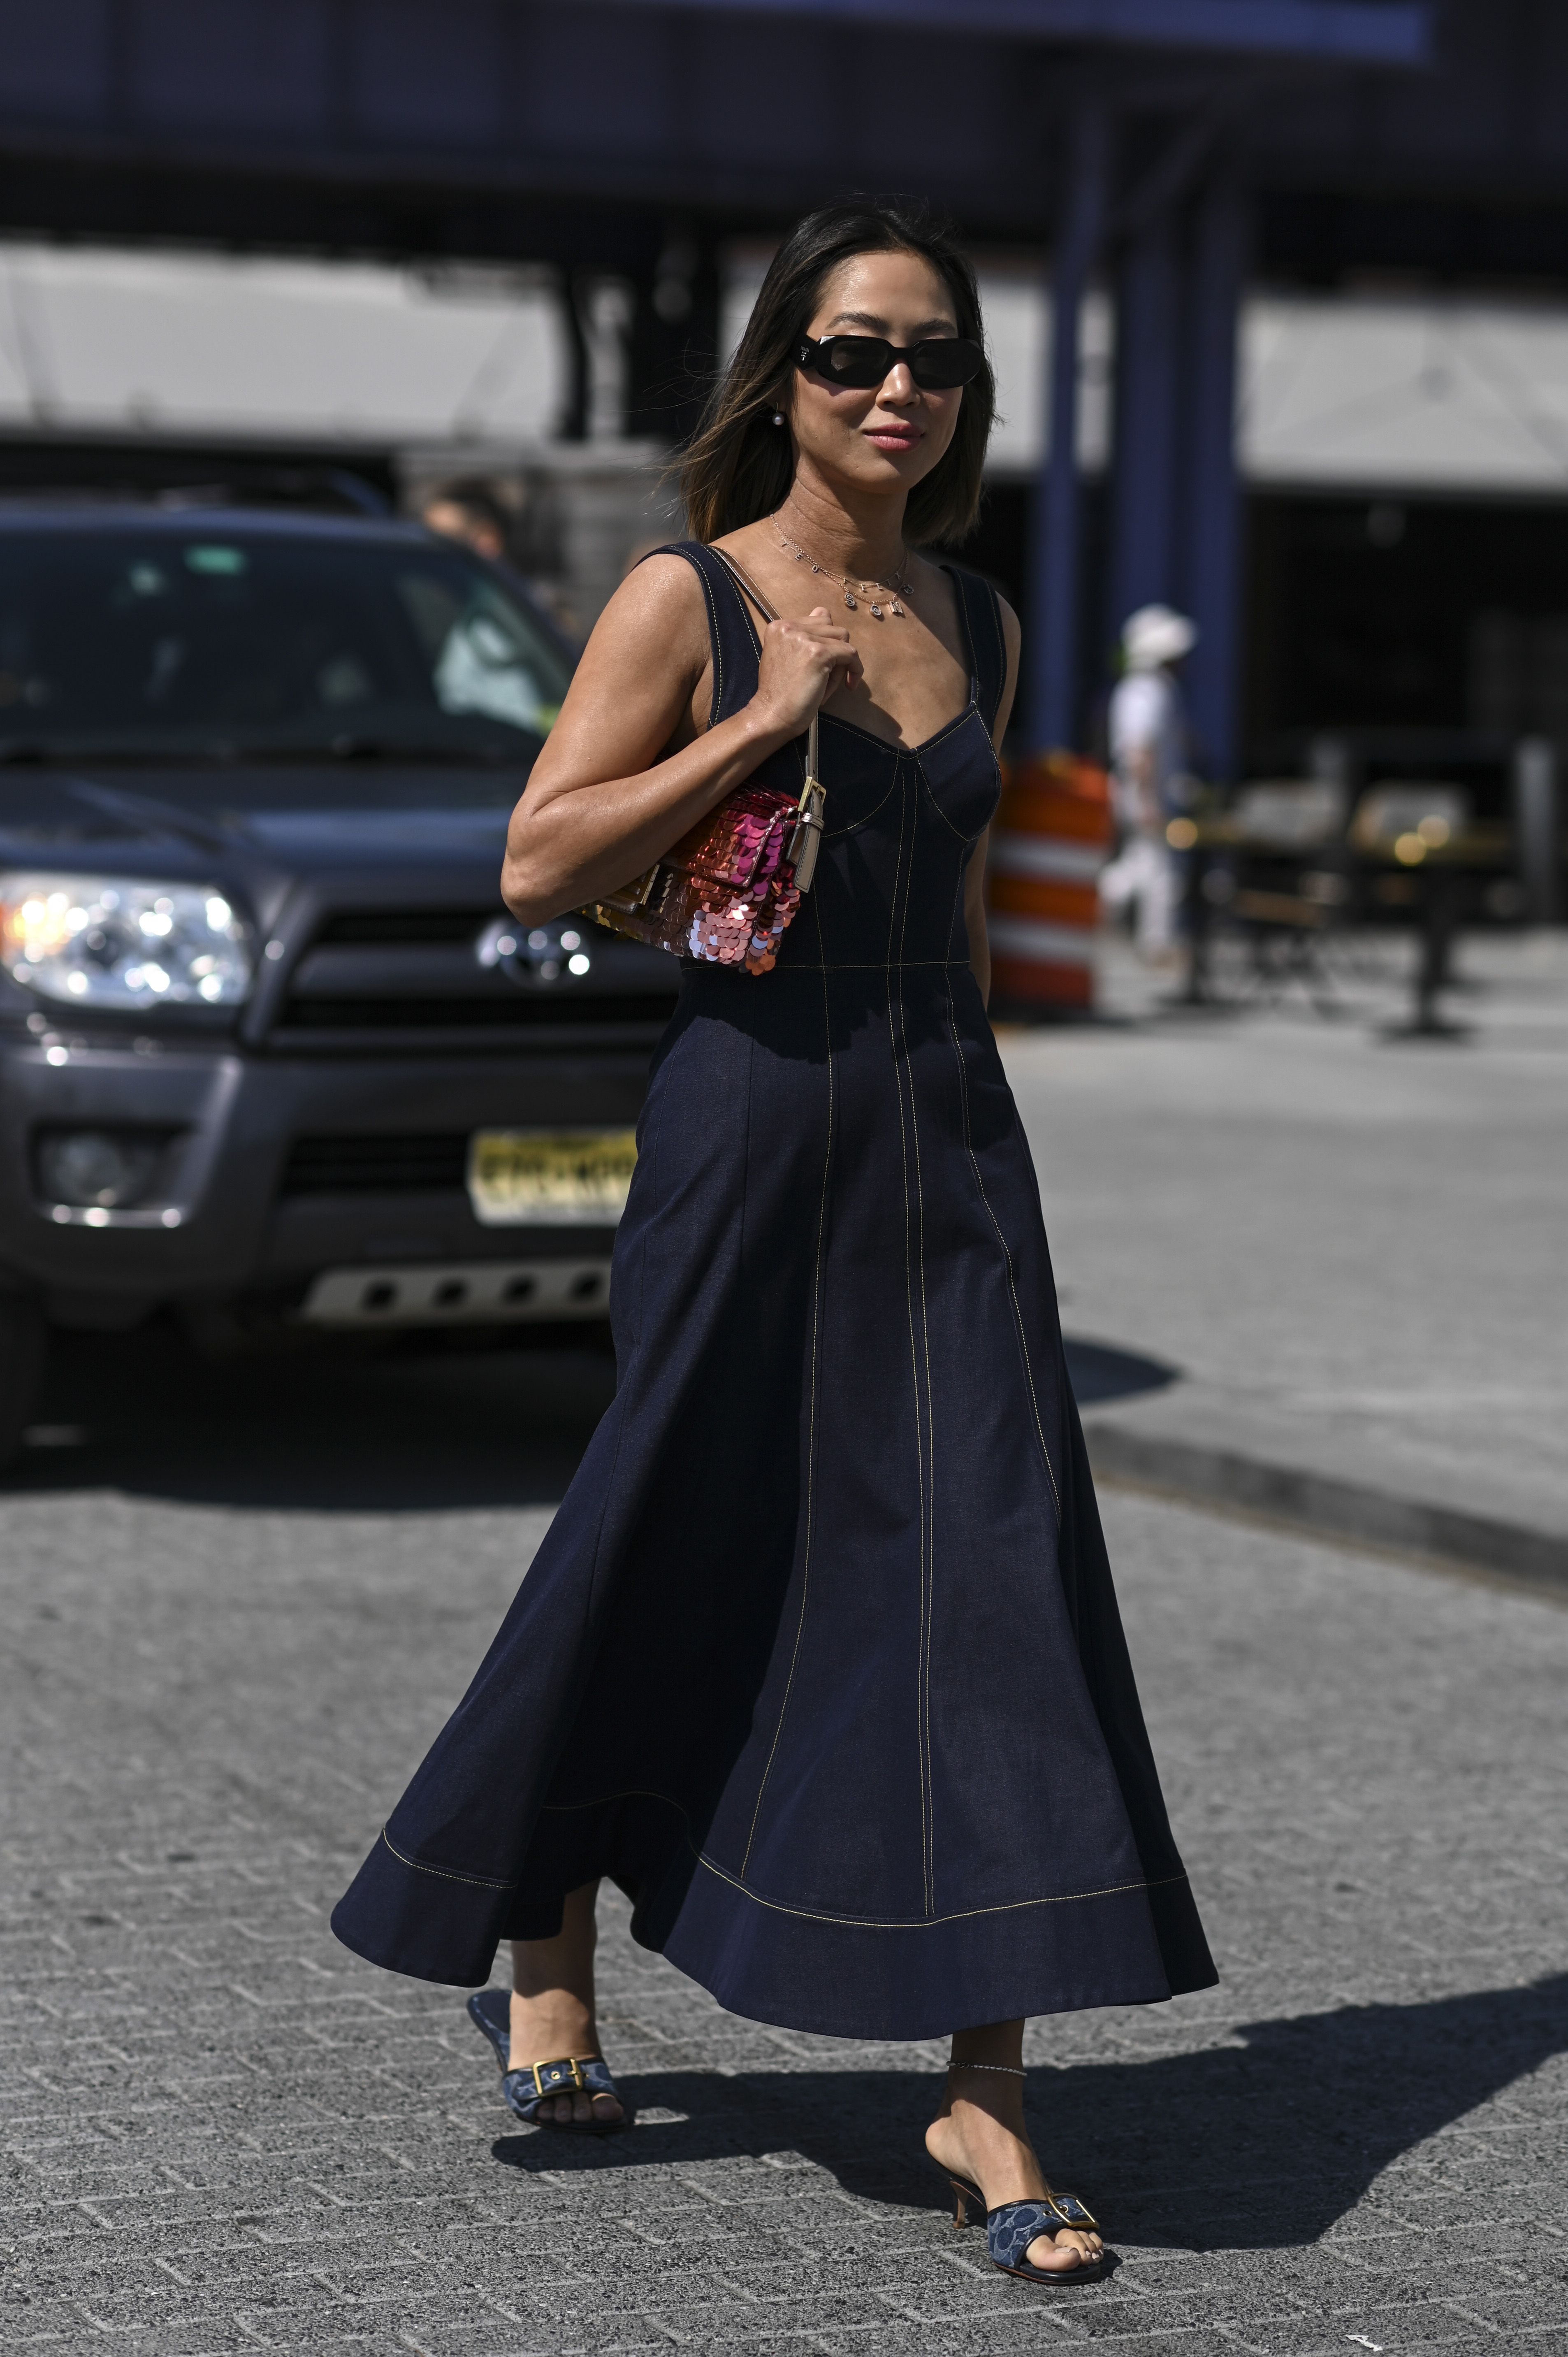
x,y
821,1660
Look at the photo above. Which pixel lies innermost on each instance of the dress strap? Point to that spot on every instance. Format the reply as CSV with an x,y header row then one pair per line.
x,y
732,638
987,646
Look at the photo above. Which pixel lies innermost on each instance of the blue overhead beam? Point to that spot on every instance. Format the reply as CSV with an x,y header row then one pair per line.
x,y
1343,32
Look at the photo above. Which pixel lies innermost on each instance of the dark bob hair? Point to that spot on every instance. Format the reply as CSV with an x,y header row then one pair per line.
x,y
739,466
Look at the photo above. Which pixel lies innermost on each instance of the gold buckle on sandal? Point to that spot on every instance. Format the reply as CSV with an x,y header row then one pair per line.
x,y
557,2078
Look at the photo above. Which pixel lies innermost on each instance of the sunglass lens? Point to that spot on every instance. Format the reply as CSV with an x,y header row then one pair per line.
x,y
857,360
945,362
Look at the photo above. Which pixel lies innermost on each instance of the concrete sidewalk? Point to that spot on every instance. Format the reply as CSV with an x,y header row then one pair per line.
x,y
1349,1251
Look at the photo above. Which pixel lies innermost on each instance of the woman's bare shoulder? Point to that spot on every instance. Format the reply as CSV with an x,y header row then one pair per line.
x,y
657,619
637,682
661,590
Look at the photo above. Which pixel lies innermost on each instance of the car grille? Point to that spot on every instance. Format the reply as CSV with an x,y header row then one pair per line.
x,y
401,978
390,928
375,1166
513,1014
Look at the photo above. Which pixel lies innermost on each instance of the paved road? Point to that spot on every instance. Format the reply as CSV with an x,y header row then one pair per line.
x,y
238,1614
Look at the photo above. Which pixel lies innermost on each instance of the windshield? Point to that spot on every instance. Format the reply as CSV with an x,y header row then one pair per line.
x,y
235,644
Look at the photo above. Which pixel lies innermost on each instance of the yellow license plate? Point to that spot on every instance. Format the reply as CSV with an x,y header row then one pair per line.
x,y
550,1177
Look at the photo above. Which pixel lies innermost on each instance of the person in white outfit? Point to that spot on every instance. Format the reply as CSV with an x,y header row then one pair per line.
x,y
1148,745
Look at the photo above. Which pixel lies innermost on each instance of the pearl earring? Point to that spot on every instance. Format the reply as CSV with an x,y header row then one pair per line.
x,y
778,417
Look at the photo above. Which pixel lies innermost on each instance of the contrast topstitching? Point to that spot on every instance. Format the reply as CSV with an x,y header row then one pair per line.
x,y
858,1922
1006,1259
816,1359
914,1243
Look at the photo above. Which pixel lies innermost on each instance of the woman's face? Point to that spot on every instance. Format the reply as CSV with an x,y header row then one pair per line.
x,y
886,439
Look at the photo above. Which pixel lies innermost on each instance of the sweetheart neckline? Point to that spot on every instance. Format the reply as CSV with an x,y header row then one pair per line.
x,y
892,743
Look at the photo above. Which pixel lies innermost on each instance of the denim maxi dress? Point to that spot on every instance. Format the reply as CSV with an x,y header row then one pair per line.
x,y
820,1660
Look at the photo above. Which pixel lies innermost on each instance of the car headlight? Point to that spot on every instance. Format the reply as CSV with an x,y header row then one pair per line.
x,y
118,940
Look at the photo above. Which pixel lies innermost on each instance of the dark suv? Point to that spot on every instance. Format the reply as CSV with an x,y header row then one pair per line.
x,y
272,1051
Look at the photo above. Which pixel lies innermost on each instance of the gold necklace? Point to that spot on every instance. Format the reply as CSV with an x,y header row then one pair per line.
x,y
895,588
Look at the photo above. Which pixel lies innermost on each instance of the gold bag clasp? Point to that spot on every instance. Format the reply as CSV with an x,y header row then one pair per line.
x,y
806,835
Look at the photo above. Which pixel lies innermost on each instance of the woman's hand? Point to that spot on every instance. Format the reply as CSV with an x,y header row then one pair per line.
x,y
802,663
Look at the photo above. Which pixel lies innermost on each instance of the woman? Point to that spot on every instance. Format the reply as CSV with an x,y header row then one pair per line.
x,y
820,1660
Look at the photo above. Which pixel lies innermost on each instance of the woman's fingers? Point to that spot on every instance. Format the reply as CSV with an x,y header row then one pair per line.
x,y
835,640
848,670
817,635
802,662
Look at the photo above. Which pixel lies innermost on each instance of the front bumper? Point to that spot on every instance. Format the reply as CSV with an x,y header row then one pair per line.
x,y
219,1229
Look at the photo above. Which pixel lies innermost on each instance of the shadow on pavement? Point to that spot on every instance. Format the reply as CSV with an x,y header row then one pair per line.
x,y
1251,2148
329,1427
353,1428
1098,1371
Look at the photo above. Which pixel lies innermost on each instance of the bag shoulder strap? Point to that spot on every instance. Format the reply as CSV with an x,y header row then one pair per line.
x,y
768,613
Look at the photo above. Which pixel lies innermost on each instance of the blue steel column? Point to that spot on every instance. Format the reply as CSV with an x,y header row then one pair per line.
x,y
1144,458
1212,523
1050,701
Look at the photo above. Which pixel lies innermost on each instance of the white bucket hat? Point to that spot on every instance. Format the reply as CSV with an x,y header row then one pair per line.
x,y
1157,635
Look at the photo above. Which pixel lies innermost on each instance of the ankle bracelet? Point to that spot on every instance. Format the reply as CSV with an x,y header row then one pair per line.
x,y
1005,2069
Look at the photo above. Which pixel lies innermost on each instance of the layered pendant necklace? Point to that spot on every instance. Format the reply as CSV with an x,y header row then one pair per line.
x,y
882,596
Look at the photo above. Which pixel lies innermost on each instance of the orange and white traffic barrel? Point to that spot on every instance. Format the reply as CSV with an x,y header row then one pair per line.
x,y
1051,838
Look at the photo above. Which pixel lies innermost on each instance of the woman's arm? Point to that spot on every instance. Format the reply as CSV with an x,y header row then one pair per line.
x,y
974,880
601,805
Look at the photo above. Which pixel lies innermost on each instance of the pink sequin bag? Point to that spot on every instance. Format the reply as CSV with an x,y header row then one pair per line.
x,y
727,891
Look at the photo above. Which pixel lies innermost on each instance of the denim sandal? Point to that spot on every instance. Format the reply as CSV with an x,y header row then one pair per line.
x,y
1012,2226
525,2091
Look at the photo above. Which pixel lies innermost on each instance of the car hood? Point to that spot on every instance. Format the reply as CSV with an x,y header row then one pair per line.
x,y
291,821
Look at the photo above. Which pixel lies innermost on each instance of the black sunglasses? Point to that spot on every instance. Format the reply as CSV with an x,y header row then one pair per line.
x,y
863,361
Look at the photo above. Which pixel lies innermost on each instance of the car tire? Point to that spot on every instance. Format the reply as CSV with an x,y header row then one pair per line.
x,y
23,1335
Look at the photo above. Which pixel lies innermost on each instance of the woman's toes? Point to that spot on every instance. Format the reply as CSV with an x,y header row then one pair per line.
x,y
563,2106
606,2109
1062,2255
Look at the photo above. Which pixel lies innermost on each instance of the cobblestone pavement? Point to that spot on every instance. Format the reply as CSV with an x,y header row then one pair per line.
x,y
226,2133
